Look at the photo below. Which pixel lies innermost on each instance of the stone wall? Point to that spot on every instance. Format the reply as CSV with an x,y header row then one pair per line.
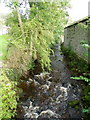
x,y
74,35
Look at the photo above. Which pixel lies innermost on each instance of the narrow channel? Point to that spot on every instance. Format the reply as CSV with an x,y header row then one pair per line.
x,y
51,95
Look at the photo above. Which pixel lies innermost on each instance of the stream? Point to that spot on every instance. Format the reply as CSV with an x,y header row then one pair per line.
x,y
51,95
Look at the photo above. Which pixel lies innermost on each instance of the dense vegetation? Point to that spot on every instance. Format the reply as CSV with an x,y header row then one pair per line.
x,y
31,33
81,69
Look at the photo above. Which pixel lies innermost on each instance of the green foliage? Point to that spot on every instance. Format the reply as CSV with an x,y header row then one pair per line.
x,y
40,32
4,41
81,67
85,44
52,15
42,39
81,78
83,26
8,97
74,103
86,110
86,96
76,64
13,74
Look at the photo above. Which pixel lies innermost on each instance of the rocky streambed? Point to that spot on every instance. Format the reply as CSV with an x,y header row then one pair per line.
x,y
51,95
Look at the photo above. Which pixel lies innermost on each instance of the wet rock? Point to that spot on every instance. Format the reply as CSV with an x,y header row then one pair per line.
x,y
55,76
42,77
30,111
29,87
48,114
50,93
73,113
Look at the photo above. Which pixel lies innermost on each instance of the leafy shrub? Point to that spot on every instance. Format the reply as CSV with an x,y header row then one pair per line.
x,y
86,96
76,63
8,103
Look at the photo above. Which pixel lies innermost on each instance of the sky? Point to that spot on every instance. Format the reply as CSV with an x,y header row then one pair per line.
x,y
3,10
78,10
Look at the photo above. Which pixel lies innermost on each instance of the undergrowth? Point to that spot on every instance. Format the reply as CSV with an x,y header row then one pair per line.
x,y
76,64
81,69
8,97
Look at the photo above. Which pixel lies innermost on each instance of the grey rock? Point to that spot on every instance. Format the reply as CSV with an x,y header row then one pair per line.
x,y
54,91
48,114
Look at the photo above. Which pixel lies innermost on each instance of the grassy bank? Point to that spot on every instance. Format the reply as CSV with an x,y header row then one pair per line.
x,y
4,40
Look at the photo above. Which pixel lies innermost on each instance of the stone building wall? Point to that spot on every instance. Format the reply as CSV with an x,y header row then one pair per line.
x,y
74,34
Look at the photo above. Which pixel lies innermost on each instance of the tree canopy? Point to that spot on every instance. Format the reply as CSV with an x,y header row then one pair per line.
x,y
36,33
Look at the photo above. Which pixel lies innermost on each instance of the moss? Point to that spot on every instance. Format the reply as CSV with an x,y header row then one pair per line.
x,y
77,107
74,103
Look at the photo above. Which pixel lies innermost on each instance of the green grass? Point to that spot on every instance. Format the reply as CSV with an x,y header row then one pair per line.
x,y
4,40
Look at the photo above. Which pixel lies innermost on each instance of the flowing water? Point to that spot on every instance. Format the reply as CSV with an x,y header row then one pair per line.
x,y
51,95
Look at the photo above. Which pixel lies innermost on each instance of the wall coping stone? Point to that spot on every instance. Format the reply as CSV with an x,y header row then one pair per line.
x,y
79,21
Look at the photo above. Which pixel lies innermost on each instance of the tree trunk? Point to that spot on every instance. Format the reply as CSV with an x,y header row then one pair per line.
x,y
20,23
